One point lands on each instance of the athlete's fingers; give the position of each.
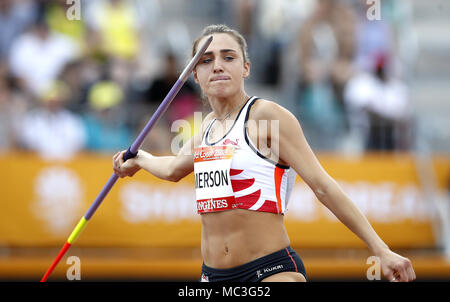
(114, 159)
(117, 155)
(402, 268)
(390, 275)
(122, 168)
(117, 170)
(392, 272)
(406, 274)
(399, 273)
(117, 163)
(411, 275)
(119, 159)
(122, 154)
(397, 268)
(402, 276)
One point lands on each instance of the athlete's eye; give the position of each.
(229, 58)
(206, 61)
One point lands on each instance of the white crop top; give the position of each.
(254, 182)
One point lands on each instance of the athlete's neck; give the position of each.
(224, 106)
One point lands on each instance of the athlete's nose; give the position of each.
(217, 66)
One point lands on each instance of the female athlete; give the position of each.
(242, 189)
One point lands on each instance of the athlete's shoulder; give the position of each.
(264, 109)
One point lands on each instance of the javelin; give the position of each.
(131, 152)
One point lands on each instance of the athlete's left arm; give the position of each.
(295, 151)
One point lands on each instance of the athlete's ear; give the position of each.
(246, 69)
(194, 72)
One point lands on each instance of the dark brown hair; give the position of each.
(223, 29)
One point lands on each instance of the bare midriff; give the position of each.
(234, 237)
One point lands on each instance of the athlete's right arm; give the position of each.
(171, 168)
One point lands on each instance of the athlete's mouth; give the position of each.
(220, 78)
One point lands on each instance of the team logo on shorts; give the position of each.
(258, 273)
(268, 270)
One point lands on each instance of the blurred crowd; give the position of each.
(90, 83)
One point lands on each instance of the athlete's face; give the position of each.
(221, 70)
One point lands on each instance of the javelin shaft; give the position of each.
(131, 152)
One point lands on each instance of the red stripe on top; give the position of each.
(269, 206)
(241, 184)
(278, 175)
(247, 201)
(234, 172)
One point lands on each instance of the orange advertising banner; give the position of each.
(42, 201)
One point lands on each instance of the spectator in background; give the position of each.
(327, 44)
(115, 27)
(74, 75)
(118, 25)
(50, 129)
(378, 108)
(39, 55)
(372, 38)
(244, 15)
(326, 62)
(394, 33)
(56, 15)
(105, 122)
(186, 102)
(15, 17)
(275, 24)
(126, 33)
(13, 106)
